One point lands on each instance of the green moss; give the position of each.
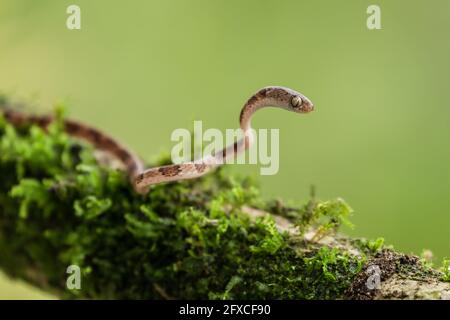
(59, 207)
(446, 270)
(375, 245)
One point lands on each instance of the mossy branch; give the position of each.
(212, 237)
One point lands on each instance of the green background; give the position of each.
(379, 137)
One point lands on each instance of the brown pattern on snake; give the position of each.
(170, 171)
(279, 97)
(97, 138)
(200, 167)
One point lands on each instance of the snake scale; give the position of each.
(141, 178)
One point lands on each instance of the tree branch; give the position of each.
(212, 237)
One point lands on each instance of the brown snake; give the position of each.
(141, 179)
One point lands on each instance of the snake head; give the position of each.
(301, 104)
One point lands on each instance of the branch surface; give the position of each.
(213, 237)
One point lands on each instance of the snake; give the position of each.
(142, 179)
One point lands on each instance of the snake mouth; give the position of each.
(307, 106)
(301, 104)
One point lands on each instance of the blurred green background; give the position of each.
(379, 137)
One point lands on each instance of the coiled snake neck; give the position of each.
(141, 180)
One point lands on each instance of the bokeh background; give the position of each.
(379, 137)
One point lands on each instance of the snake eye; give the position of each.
(296, 101)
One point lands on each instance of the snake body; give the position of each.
(279, 97)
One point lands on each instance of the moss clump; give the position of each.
(59, 207)
(446, 270)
